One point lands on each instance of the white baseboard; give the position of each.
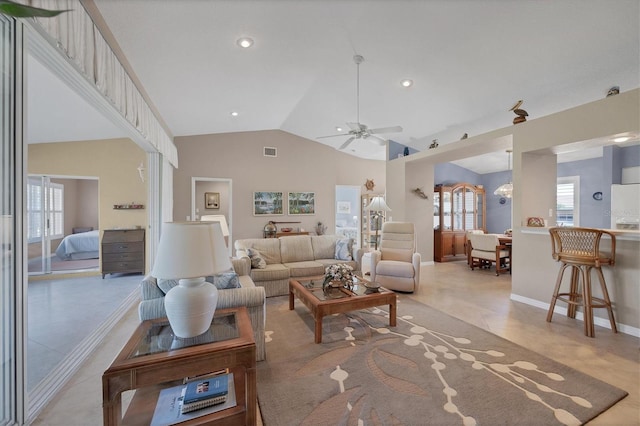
(602, 322)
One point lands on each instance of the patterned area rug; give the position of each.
(432, 369)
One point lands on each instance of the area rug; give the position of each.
(431, 369)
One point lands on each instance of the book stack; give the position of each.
(204, 392)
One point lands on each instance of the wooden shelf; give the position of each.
(128, 207)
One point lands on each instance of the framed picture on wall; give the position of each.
(212, 200)
(267, 203)
(301, 203)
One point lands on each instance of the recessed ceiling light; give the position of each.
(234, 113)
(245, 42)
(406, 83)
(339, 128)
(621, 139)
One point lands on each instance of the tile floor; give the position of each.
(478, 297)
(63, 311)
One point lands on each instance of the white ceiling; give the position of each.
(470, 61)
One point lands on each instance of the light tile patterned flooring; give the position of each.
(63, 311)
(477, 297)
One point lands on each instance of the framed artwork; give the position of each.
(267, 203)
(301, 203)
(344, 207)
(211, 200)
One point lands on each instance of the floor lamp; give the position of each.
(377, 205)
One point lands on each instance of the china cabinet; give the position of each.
(457, 209)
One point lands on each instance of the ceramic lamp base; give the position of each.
(190, 307)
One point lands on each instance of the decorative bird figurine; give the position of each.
(466, 135)
(434, 144)
(520, 113)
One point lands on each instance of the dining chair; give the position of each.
(486, 250)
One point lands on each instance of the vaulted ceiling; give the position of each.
(469, 60)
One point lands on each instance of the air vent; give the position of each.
(270, 151)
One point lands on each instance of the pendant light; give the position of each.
(506, 189)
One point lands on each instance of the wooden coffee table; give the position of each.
(340, 300)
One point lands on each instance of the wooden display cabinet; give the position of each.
(456, 209)
(369, 224)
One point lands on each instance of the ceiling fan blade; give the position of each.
(333, 136)
(346, 144)
(356, 126)
(394, 129)
(380, 141)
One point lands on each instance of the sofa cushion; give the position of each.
(328, 262)
(257, 260)
(395, 269)
(269, 248)
(343, 249)
(296, 248)
(166, 285)
(324, 246)
(305, 269)
(225, 280)
(271, 273)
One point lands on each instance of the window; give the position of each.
(38, 205)
(568, 201)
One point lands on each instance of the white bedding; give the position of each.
(85, 245)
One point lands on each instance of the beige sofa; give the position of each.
(249, 295)
(296, 256)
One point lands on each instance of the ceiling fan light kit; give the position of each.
(357, 129)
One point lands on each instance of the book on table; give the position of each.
(204, 392)
(170, 401)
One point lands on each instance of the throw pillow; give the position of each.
(257, 261)
(224, 280)
(166, 285)
(343, 249)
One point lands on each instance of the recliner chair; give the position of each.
(396, 265)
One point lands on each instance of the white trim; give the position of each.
(602, 322)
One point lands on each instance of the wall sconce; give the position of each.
(141, 170)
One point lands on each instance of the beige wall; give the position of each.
(114, 162)
(535, 146)
(301, 165)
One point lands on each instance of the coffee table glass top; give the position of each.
(160, 337)
(359, 289)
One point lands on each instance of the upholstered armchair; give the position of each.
(396, 265)
(486, 249)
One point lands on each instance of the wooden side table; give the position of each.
(153, 359)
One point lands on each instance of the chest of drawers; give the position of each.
(123, 251)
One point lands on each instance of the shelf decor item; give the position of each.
(188, 252)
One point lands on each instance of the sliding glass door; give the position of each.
(45, 221)
(11, 294)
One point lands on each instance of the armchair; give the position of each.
(486, 249)
(396, 265)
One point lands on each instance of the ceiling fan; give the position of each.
(359, 130)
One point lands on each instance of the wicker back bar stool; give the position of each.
(579, 249)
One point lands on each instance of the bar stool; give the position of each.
(579, 249)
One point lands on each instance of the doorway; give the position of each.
(213, 196)
(348, 214)
(62, 224)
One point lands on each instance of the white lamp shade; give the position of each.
(217, 218)
(377, 204)
(504, 190)
(191, 250)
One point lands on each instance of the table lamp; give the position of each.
(189, 252)
(223, 224)
(377, 205)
